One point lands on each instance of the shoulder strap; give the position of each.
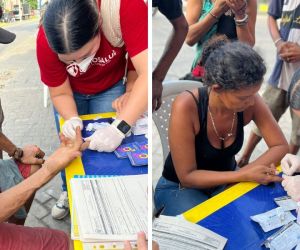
(111, 27)
(194, 97)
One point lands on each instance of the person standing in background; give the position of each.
(287, 42)
(172, 10)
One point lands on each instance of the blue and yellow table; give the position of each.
(95, 163)
(228, 214)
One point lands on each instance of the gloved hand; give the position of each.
(105, 139)
(290, 164)
(291, 185)
(69, 127)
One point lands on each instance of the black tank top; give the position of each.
(207, 156)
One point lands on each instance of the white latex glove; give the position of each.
(69, 127)
(291, 185)
(105, 139)
(290, 164)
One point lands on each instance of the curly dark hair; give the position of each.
(294, 91)
(234, 65)
(212, 44)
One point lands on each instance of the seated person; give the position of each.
(24, 161)
(206, 131)
(291, 163)
(13, 236)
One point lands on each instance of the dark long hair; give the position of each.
(70, 24)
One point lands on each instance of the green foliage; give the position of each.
(32, 3)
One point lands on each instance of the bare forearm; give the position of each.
(173, 46)
(14, 198)
(198, 30)
(244, 35)
(6, 145)
(65, 105)
(137, 103)
(131, 78)
(273, 28)
(272, 156)
(208, 179)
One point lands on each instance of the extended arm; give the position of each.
(137, 102)
(271, 133)
(12, 199)
(63, 100)
(246, 33)
(173, 46)
(199, 28)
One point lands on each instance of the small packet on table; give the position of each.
(274, 218)
(286, 203)
(122, 150)
(285, 239)
(138, 157)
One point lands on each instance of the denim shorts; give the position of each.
(176, 199)
(98, 103)
(10, 176)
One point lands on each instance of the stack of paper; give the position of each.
(109, 210)
(173, 233)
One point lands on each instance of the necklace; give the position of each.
(222, 139)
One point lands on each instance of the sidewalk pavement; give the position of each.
(26, 120)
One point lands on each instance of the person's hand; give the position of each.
(105, 139)
(281, 47)
(69, 150)
(69, 127)
(243, 161)
(155, 246)
(220, 7)
(238, 7)
(291, 185)
(157, 89)
(32, 155)
(120, 102)
(290, 164)
(141, 242)
(292, 53)
(261, 174)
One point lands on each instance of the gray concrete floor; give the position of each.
(26, 120)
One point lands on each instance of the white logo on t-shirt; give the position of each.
(102, 61)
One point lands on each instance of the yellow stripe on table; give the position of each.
(76, 168)
(217, 202)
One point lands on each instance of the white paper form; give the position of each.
(110, 208)
(272, 219)
(173, 233)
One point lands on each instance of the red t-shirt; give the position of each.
(108, 65)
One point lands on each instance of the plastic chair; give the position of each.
(160, 124)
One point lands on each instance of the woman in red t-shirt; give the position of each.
(84, 71)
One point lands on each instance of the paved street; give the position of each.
(26, 120)
(182, 64)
